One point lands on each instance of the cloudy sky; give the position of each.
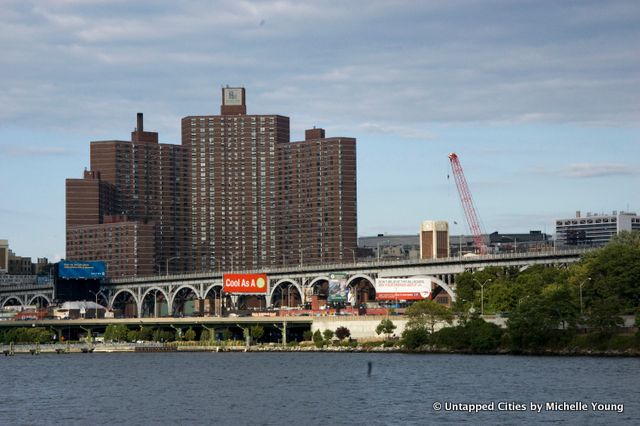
(540, 99)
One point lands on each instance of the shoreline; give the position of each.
(60, 349)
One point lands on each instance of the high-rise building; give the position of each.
(258, 200)
(237, 194)
(317, 200)
(594, 229)
(131, 209)
(434, 239)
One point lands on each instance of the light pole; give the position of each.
(581, 284)
(482, 294)
(388, 245)
(353, 252)
(169, 260)
(289, 296)
(96, 307)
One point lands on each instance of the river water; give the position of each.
(315, 389)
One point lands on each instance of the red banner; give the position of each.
(245, 283)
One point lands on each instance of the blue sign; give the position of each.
(81, 270)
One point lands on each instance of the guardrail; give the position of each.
(359, 265)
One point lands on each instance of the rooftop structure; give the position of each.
(594, 229)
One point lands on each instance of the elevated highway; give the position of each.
(148, 296)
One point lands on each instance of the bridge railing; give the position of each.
(358, 265)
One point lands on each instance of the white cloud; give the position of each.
(589, 170)
(33, 151)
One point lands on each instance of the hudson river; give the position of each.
(317, 389)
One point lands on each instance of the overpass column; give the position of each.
(212, 333)
(89, 331)
(283, 330)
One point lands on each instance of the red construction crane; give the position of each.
(467, 203)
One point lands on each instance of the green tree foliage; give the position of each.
(474, 335)
(132, 335)
(615, 272)
(116, 333)
(328, 334)
(145, 333)
(386, 327)
(27, 335)
(190, 335)
(603, 316)
(205, 336)
(257, 331)
(307, 335)
(160, 335)
(539, 321)
(317, 339)
(226, 334)
(414, 338)
(342, 333)
(425, 314)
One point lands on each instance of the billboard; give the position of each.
(403, 288)
(80, 270)
(245, 283)
(338, 291)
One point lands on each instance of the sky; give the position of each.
(539, 99)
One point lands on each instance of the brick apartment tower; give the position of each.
(235, 195)
(131, 209)
(259, 201)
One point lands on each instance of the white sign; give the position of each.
(232, 96)
(403, 288)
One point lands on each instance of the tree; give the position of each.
(226, 334)
(327, 334)
(413, 338)
(317, 339)
(386, 326)
(426, 314)
(342, 333)
(541, 321)
(307, 335)
(604, 315)
(116, 333)
(256, 332)
(190, 335)
(615, 272)
(132, 335)
(204, 335)
(145, 333)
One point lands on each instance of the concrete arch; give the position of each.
(441, 283)
(211, 287)
(175, 292)
(282, 281)
(125, 290)
(17, 298)
(353, 294)
(150, 289)
(315, 280)
(359, 276)
(147, 292)
(39, 295)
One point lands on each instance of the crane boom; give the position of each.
(467, 203)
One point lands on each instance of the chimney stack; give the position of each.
(140, 126)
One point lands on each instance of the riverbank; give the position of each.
(60, 349)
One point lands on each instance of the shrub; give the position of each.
(342, 333)
(327, 334)
(190, 335)
(413, 338)
(307, 335)
(317, 339)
